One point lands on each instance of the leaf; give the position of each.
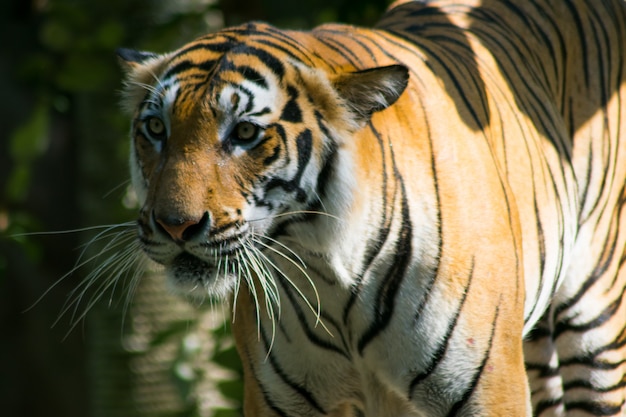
(223, 412)
(232, 389)
(229, 358)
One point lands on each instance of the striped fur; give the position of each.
(393, 211)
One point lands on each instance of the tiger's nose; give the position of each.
(182, 229)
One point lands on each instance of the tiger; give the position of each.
(422, 218)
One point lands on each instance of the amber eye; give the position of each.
(246, 131)
(156, 128)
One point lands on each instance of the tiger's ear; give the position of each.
(142, 69)
(371, 90)
(130, 58)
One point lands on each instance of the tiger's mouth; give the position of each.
(189, 267)
(204, 265)
(193, 277)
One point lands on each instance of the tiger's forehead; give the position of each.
(231, 84)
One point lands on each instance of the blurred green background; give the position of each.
(63, 152)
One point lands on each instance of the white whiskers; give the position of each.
(121, 254)
(267, 266)
(258, 263)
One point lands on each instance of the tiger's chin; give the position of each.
(192, 277)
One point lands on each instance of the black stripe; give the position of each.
(281, 48)
(580, 31)
(458, 406)
(327, 173)
(354, 37)
(304, 145)
(525, 92)
(301, 315)
(544, 370)
(187, 65)
(262, 112)
(439, 223)
(296, 45)
(266, 395)
(273, 157)
(478, 122)
(588, 283)
(374, 245)
(299, 388)
(544, 405)
(563, 326)
(340, 48)
(291, 112)
(587, 384)
(208, 44)
(595, 409)
(591, 362)
(272, 62)
(253, 76)
(541, 243)
(386, 294)
(441, 350)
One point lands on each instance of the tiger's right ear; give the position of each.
(131, 59)
(142, 71)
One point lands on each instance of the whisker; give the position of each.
(235, 292)
(118, 263)
(131, 288)
(150, 88)
(250, 281)
(262, 272)
(283, 246)
(270, 287)
(117, 187)
(107, 227)
(120, 254)
(317, 311)
(81, 262)
(293, 213)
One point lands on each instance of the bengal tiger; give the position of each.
(423, 218)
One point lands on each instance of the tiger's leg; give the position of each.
(590, 325)
(592, 352)
(542, 367)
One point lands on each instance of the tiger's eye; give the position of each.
(246, 131)
(156, 127)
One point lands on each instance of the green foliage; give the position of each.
(226, 356)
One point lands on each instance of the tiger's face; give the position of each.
(216, 162)
(228, 150)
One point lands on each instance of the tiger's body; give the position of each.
(395, 209)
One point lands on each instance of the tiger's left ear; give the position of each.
(371, 90)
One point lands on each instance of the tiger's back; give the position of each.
(392, 232)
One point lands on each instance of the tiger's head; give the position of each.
(235, 142)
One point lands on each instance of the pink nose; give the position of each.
(177, 232)
(181, 230)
